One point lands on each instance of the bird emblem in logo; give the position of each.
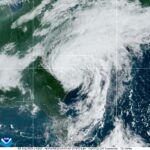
(6, 142)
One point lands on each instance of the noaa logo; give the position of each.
(6, 142)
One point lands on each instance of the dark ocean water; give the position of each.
(134, 107)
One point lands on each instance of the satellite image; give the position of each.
(75, 73)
